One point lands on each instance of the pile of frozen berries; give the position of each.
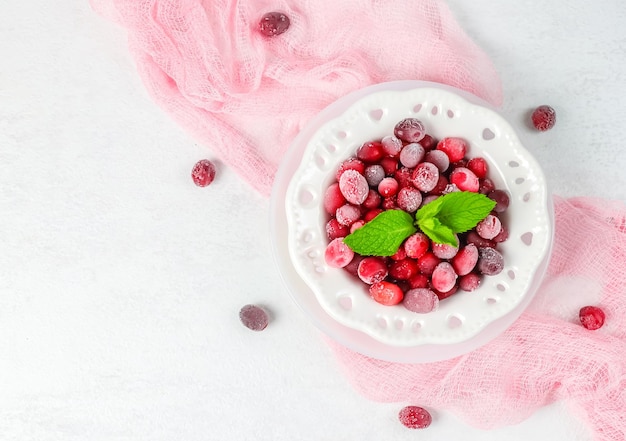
(406, 170)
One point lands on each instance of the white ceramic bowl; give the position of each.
(463, 321)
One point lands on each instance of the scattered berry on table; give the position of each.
(591, 317)
(415, 417)
(273, 23)
(254, 317)
(203, 173)
(543, 118)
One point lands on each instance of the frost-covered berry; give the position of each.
(591, 317)
(203, 173)
(409, 130)
(386, 293)
(543, 118)
(254, 317)
(337, 253)
(273, 23)
(415, 417)
(420, 300)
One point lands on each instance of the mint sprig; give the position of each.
(383, 235)
(440, 220)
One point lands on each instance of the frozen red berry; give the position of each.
(370, 152)
(350, 164)
(490, 261)
(338, 254)
(409, 199)
(333, 199)
(465, 260)
(444, 250)
(409, 130)
(443, 277)
(372, 270)
(334, 229)
(416, 245)
(489, 227)
(353, 186)
(254, 317)
(374, 174)
(420, 300)
(479, 167)
(465, 179)
(469, 282)
(439, 158)
(427, 263)
(203, 173)
(403, 269)
(415, 417)
(273, 23)
(501, 198)
(425, 176)
(591, 317)
(348, 214)
(412, 154)
(386, 293)
(388, 187)
(455, 148)
(391, 145)
(543, 118)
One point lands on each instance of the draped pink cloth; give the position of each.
(246, 96)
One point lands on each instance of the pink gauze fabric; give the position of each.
(245, 97)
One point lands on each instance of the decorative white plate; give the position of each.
(462, 322)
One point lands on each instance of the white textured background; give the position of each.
(120, 281)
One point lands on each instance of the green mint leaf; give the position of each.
(429, 210)
(452, 213)
(383, 235)
(461, 211)
(437, 232)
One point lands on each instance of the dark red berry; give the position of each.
(203, 173)
(273, 23)
(415, 417)
(591, 317)
(254, 317)
(543, 118)
(409, 130)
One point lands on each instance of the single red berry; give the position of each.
(273, 23)
(409, 130)
(455, 148)
(370, 152)
(543, 118)
(338, 254)
(254, 317)
(386, 293)
(479, 166)
(203, 173)
(403, 269)
(372, 270)
(333, 199)
(350, 164)
(591, 317)
(415, 417)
